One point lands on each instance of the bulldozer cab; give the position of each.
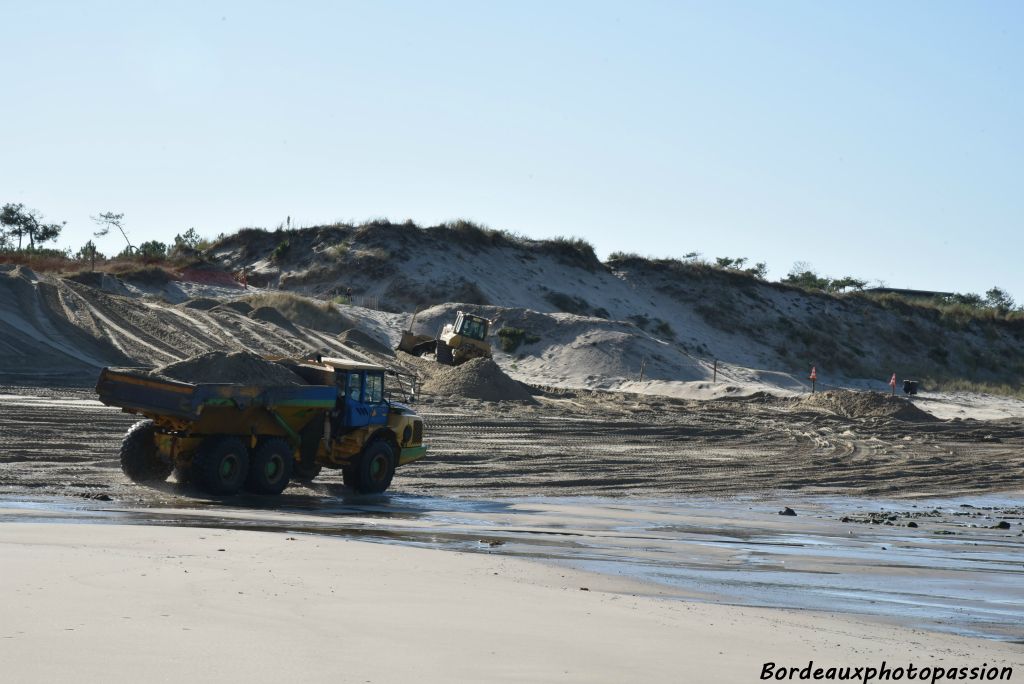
(473, 327)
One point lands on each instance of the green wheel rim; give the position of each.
(228, 466)
(273, 468)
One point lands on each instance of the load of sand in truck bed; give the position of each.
(236, 368)
(865, 405)
(476, 379)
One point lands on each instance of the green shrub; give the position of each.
(337, 251)
(280, 251)
(153, 250)
(512, 338)
(625, 256)
(663, 328)
(640, 321)
(568, 303)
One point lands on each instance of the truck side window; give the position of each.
(355, 386)
(374, 388)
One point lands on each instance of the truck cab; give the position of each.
(364, 414)
(361, 396)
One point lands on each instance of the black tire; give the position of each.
(221, 465)
(139, 458)
(306, 470)
(270, 468)
(374, 469)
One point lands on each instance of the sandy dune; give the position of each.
(58, 330)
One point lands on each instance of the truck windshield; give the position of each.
(355, 386)
(374, 388)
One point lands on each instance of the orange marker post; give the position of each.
(814, 378)
(892, 383)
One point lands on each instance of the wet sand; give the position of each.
(61, 441)
(957, 571)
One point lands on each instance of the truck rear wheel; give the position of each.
(270, 467)
(139, 458)
(220, 465)
(373, 471)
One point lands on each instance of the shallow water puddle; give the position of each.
(957, 571)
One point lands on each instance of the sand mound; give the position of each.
(236, 306)
(148, 275)
(476, 379)
(238, 368)
(90, 278)
(865, 405)
(309, 313)
(271, 315)
(201, 303)
(359, 339)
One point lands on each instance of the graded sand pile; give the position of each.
(201, 303)
(477, 379)
(359, 339)
(237, 306)
(316, 314)
(865, 405)
(271, 315)
(238, 368)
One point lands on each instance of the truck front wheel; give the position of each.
(270, 468)
(373, 470)
(139, 458)
(221, 465)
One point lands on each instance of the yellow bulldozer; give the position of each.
(456, 343)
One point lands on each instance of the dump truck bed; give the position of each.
(136, 392)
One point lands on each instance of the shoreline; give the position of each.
(949, 566)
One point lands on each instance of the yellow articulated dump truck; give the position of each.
(229, 437)
(457, 343)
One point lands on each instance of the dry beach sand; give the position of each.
(114, 603)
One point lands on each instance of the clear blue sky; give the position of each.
(884, 140)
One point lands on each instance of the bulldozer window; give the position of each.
(473, 328)
(374, 388)
(355, 386)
